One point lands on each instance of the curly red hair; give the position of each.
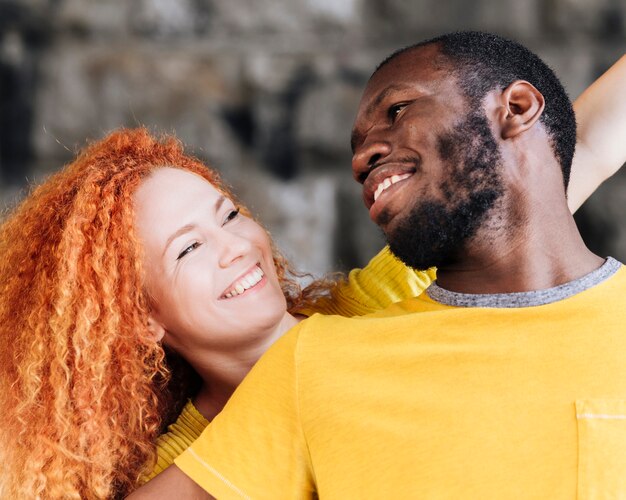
(81, 381)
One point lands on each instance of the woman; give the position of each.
(132, 246)
(89, 287)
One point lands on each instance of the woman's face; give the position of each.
(209, 270)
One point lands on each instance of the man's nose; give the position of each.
(366, 156)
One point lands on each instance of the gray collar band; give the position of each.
(525, 299)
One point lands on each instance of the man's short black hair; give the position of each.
(483, 61)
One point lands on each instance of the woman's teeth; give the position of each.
(248, 281)
(389, 181)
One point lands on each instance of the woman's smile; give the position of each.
(252, 280)
(210, 270)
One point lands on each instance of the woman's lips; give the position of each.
(247, 281)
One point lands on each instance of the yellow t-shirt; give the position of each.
(179, 436)
(425, 400)
(383, 281)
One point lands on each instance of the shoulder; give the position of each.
(615, 284)
(320, 330)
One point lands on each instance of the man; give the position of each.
(511, 381)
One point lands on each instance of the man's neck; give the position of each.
(543, 251)
(526, 299)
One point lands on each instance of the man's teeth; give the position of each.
(248, 281)
(389, 181)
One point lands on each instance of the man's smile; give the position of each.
(384, 181)
(388, 182)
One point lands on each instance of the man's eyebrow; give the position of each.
(383, 95)
(356, 137)
(189, 227)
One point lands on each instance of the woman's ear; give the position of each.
(523, 106)
(156, 330)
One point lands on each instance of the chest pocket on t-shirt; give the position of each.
(601, 449)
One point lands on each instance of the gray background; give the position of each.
(266, 91)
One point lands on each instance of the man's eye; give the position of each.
(231, 215)
(395, 109)
(187, 250)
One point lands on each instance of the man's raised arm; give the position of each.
(601, 149)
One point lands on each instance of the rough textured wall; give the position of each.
(266, 91)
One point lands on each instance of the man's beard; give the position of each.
(435, 231)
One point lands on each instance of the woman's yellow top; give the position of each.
(383, 281)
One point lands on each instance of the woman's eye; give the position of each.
(187, 250)
(395, 109)
(231, 215)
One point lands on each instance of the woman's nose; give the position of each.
(232, 248)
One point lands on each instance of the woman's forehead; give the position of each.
(171, 183)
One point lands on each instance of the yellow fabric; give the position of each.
(383, 281)
(426, 401)
(178, 438)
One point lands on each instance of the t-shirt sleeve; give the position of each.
(179, 436)
(255, 447)
(382, 282)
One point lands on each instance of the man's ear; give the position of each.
(523, 105)
(156, 329)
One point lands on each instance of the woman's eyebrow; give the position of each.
(189, 227)
(179, 232)
(220, 201)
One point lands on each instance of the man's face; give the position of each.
(426, 157)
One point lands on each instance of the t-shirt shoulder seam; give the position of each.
(217, 474)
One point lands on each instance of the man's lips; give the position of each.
(390, 172)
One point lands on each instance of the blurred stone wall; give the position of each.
(264, 90)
